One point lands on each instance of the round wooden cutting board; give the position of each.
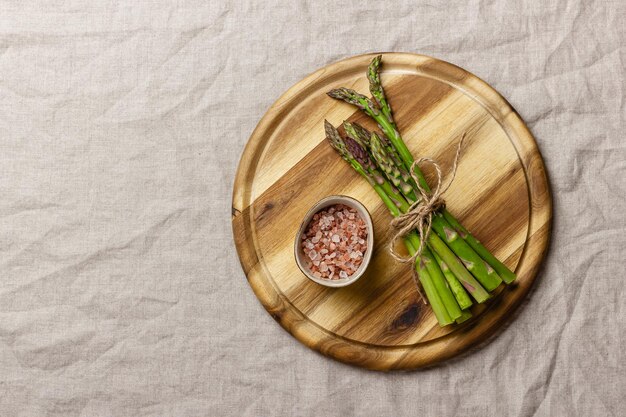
(500, 193)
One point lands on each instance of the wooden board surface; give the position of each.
(500, 193)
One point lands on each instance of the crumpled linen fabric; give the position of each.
(121, 127)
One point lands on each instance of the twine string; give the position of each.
(420, 214)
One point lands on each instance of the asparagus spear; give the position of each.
(393, 173)
(376, 88)
(357, 132)
(487, 276)
(457, 289)
(504, 272)
(441, 313)
(441, 285)
(458, 269)
(397, 168)
(464, 317)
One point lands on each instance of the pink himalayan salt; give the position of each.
(335, 242)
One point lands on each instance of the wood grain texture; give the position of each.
(500, 193)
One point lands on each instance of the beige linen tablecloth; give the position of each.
(121, 126)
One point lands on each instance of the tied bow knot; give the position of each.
(420, 214)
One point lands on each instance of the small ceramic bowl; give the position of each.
(322, 204)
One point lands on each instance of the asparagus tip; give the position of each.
(329, 128)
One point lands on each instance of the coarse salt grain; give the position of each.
(335, 238)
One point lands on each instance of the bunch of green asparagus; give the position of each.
(453, 263)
